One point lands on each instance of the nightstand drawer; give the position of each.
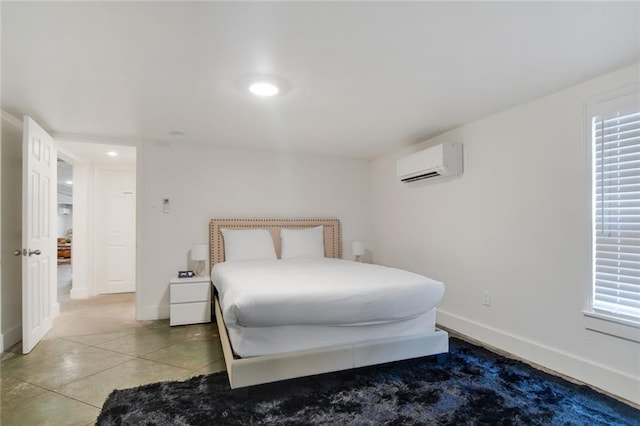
(189, 292)
(190, 313)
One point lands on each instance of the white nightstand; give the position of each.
(190, 300)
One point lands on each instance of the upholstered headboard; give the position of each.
(332, 236)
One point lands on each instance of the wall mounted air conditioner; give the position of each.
(444, 160)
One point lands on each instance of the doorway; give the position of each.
(97, 220)
(64, 231)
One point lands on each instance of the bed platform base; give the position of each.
(251, 371)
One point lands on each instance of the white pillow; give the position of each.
(302, 243)
(248, 244)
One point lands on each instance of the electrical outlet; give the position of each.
(486, 297)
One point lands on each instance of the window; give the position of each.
(615, 139)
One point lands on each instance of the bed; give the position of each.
(292, 317)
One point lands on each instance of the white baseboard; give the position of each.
(149, 313)
(79, 293)
(10, 337)
(599, 376)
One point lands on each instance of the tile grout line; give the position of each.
(91, 375)
(76, 399)
(68, 339)
(80, 378)
(3, 414)
(136, 355)
(179, 366)
(139, 357)
(55, 390)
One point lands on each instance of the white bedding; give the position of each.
(324, 292)
(257, 341)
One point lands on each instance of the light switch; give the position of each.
(166, 206)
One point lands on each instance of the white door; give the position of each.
(38, 241)
(117, 214)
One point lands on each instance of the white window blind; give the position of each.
(616, 212)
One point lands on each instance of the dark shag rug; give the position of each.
(472, 386)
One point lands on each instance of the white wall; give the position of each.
(82, 285)
(517, 223)
(11, 273)
(204, 182)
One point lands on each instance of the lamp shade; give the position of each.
(199, 251)
(357, 248)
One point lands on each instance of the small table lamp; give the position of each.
(357, 248)
(198, 256)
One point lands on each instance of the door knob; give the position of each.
(36, 252)
(17, 252)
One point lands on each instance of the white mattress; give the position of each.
(279, 306)
(333, 292)
(257, 341)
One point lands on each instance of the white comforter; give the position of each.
(330, 292)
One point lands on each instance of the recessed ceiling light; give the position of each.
(263, 85)
(69, 182)
(263, 88)
(112, 154)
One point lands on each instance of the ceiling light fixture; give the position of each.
(112, 154)
(263, 88)
(263, 85)
(69, 182)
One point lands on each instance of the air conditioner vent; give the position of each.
(444, 160)
(420, 177)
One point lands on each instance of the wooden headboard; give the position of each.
(332, 236)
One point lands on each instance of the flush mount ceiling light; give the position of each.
(69, 182)
(264, 88)
(112, 154)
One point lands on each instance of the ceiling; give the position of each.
(363, 78)
(96, 154)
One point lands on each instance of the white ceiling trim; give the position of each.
(10, 119)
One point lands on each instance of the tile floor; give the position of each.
(97, 346)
